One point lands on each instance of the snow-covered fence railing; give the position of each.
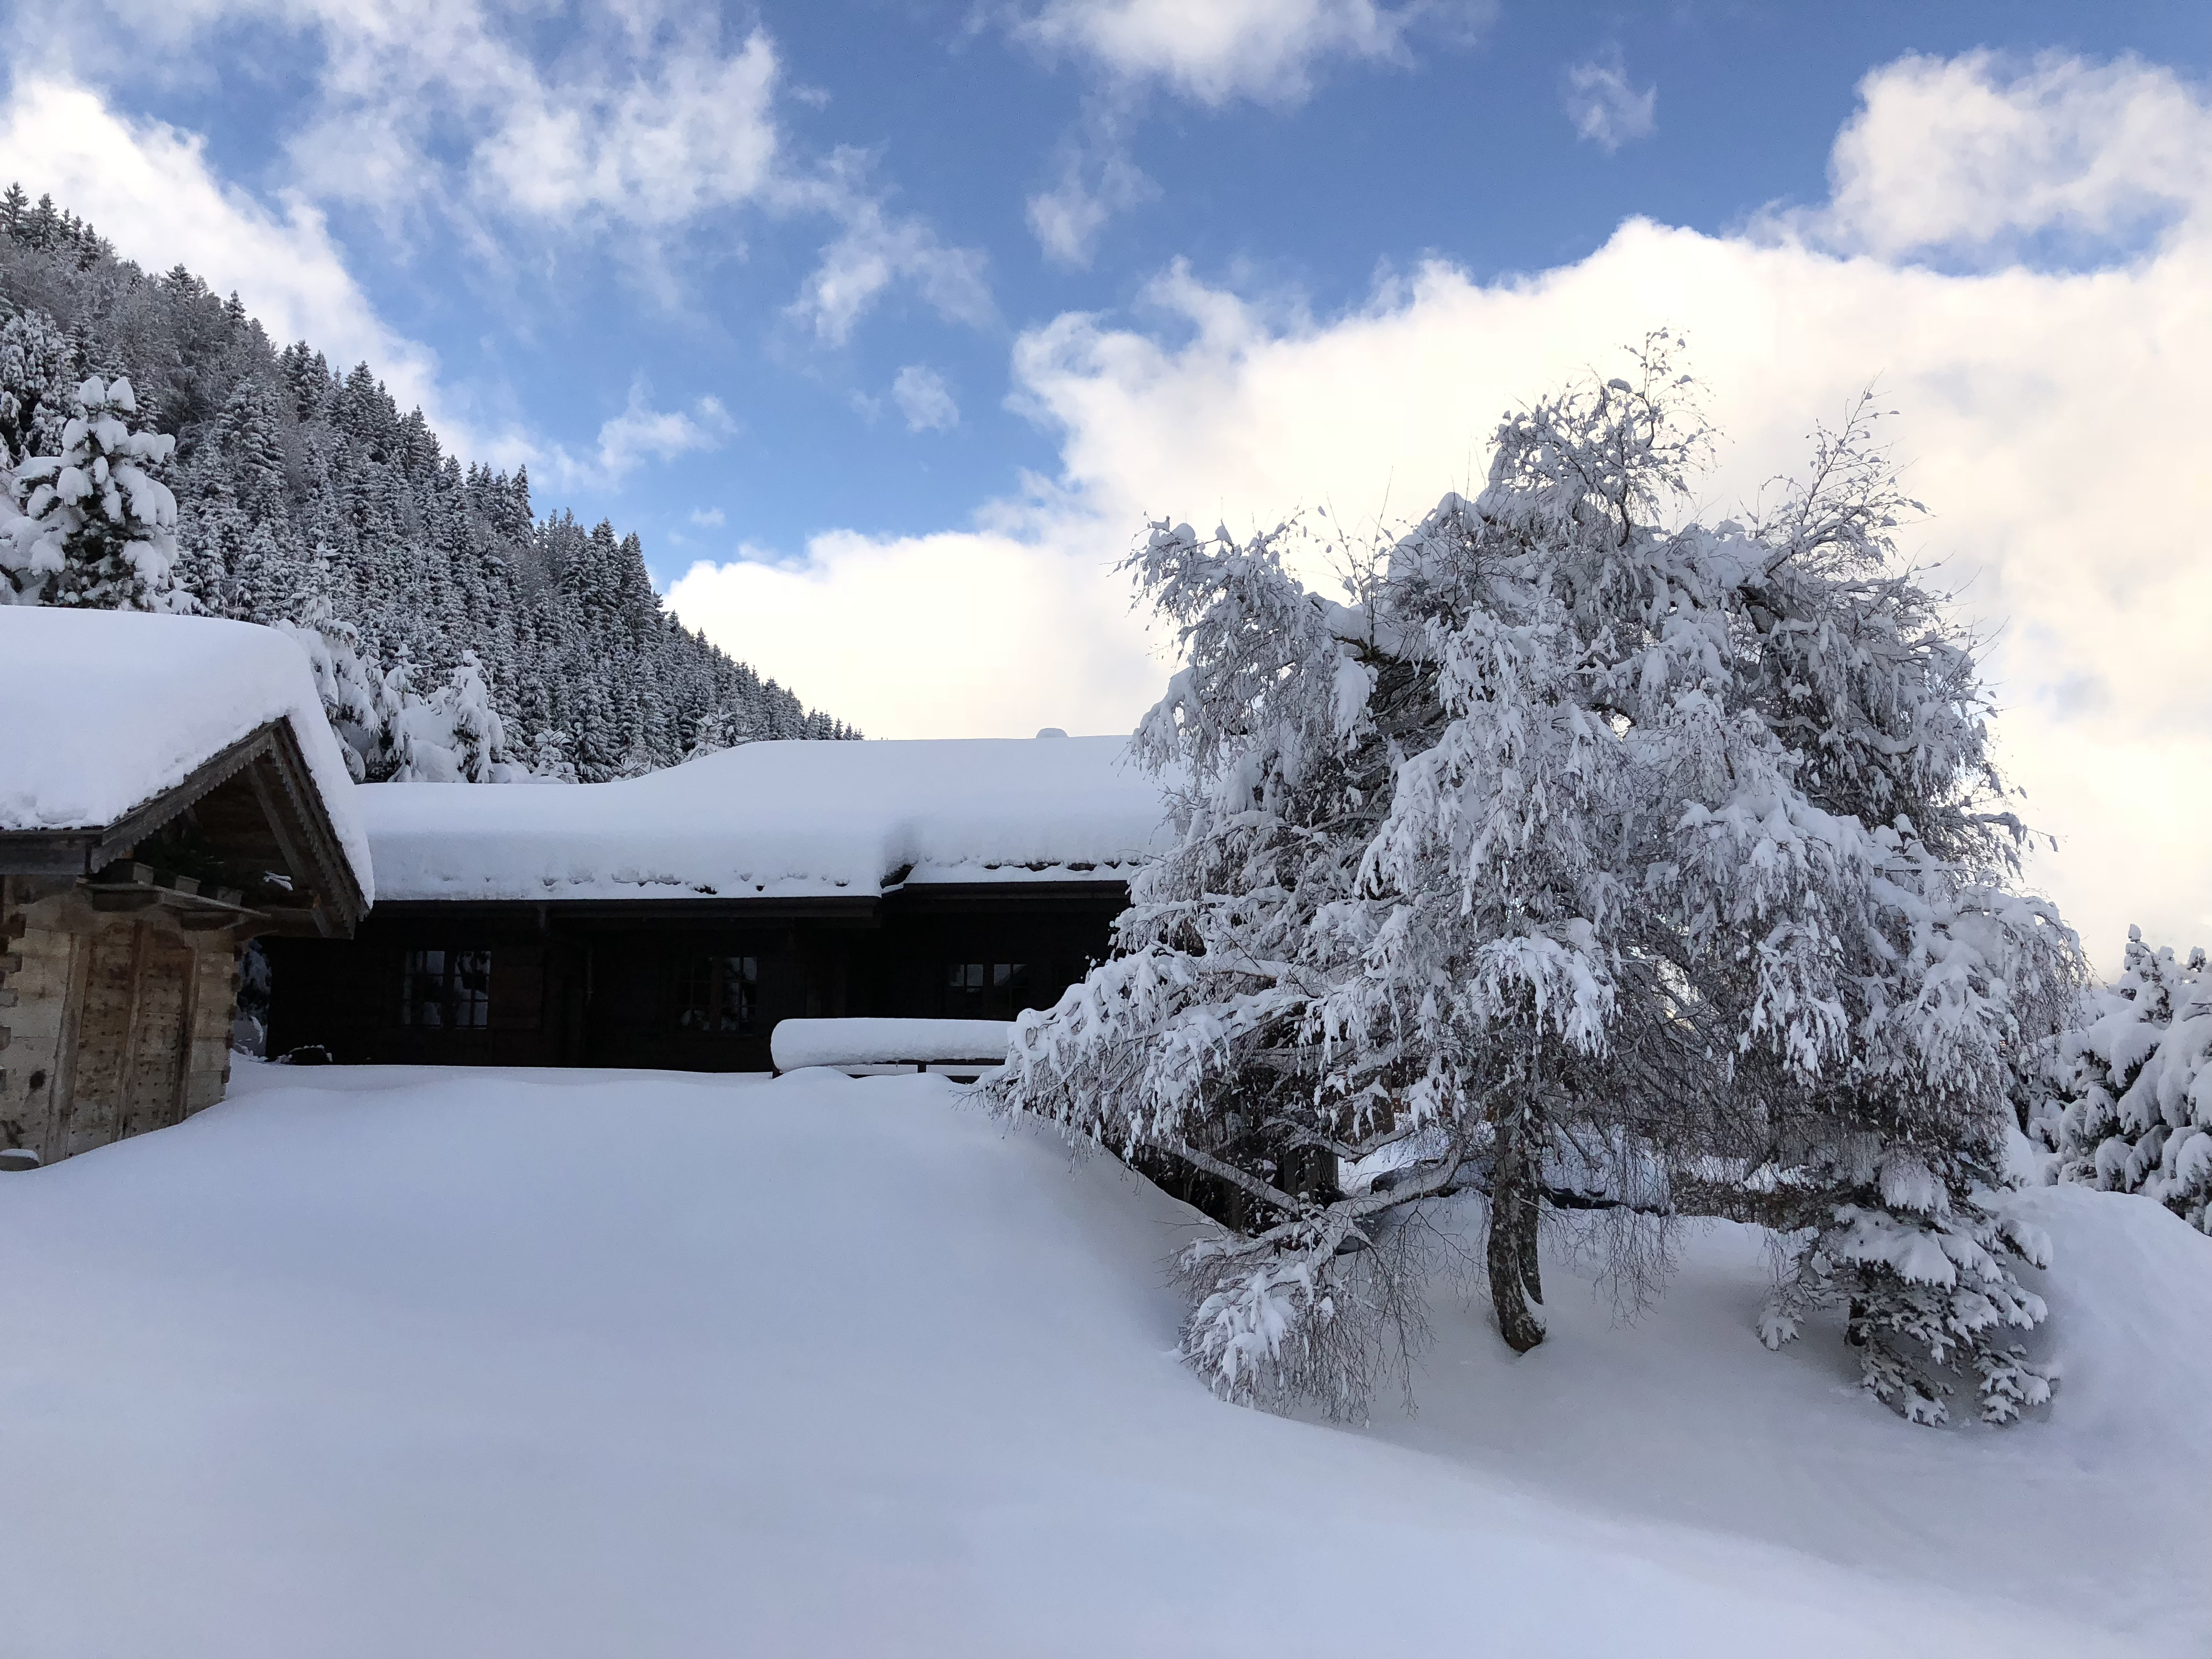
(860, 1047)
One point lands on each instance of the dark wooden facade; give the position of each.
(686, 985)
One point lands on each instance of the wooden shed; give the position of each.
(120, 932)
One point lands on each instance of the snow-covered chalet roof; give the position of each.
(778, 820)
(101, 711)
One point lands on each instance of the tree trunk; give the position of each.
(1513, 1278)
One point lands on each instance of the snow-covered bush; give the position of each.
(1585, 849)
(93, 526)
(2125, 1096)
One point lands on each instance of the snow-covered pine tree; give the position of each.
(551, 756)
(454, 735)
(478, 735)
(351, 692)
(2125, 1102)
(34, 386)
(1588, 848)
(96, 523)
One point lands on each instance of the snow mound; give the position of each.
(375, 1361)
(100, 710)
(797, 1042)
(780, 820)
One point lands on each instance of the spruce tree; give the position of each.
(2122, 1095)
(97, 522)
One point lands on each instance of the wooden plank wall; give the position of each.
(215, 1005)
(118, 1023)
(38, 966)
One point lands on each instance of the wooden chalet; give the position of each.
(670, 920)
(168, 791)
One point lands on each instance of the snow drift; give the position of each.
(797, 1042)
(407, 1361)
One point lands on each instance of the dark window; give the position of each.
(986, 990)
(718, 994)
(446, 988)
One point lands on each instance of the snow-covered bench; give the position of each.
(963, 1049)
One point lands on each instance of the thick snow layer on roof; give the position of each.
(778, 820)
(100, 710)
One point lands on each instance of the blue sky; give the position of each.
(887, 324)
(1454, 136)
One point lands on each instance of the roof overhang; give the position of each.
(268, 763)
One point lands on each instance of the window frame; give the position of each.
(451, 971)
(716, 1017)
(984, 990)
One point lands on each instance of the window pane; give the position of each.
(740, 978)
(964, 989)
(422, 988)
(471, 998)
(695, 994)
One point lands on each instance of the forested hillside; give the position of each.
(448, 618)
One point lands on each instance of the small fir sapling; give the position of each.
(1589, 855)
(549, 756)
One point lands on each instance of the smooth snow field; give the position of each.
(390, 1361)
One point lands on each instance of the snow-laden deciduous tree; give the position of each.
(2124, 1092)
(1587, 855)
(94, 526)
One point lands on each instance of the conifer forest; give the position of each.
(449, 616)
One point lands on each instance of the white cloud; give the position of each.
(968, 633)
(149, 190)
(708, 518)
(1215, 51)
(651, 118)
(876, 250)
(2054, 420)
(1954, 153)
(1067, 218)
(925, 399)
(641, 433)
(1604, 107)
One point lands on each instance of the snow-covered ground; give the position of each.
(420, 1362)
